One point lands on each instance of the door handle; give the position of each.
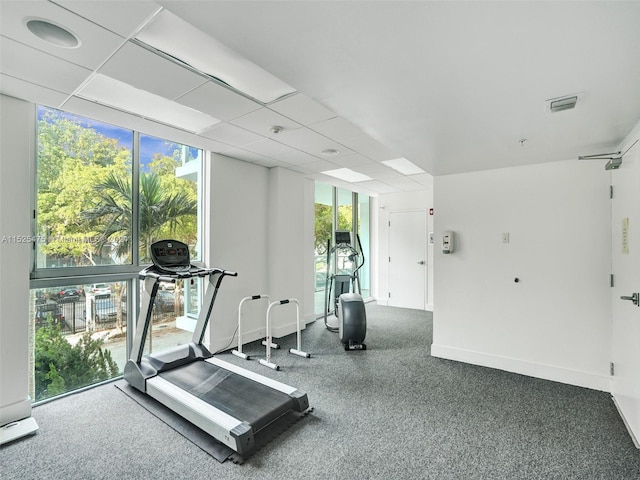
(421, 262)
(635, 298)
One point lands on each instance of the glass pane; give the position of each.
(169, 194)
(345, 210)
(323, 233)
(83, 191)
(169, 327)
(344, 263)
(193, 296)
(363, 232)
(79, 336)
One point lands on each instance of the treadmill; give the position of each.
(228, 402)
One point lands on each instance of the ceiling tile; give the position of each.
(300, 169)
(40, 68)
(321, 166)
(404, 184)
(311, 142)
(270, 163)
(176, 135)
(218, 101)
(296, 157)
(247, 156)
(123, 18)
(337, 128)
(284, 153)
(148, 71)
(379, 187)
(378, 170)
(353, 160)
(97, 43)
(261, 121)
(96, 111)
(302, 109)
(14, 87)
(232, 135)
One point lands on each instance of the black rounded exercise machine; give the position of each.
(342, 294)
(226, 401)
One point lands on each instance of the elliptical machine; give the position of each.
(346, 304)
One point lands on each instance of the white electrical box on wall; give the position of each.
(447, 241)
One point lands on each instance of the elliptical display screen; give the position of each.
(343, 237)
(171, 256)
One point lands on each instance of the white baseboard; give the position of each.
(258, 334)
(546, 372)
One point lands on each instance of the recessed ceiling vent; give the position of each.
(561, 104)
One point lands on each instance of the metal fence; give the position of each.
(93, 314)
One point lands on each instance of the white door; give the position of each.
(625, 219)
(407, 259)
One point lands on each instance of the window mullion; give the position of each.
(135, 199)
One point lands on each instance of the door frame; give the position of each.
(626, 405)
(425, 238)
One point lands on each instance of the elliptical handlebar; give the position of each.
(354, 253)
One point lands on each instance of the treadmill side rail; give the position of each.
(234, 433)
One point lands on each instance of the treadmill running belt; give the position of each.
(240, 397)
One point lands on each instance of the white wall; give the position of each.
(399, 202)
(238, 218)
(16, 151)
(290, 240)
(257, 228)
(553, 324)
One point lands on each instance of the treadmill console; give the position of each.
(170, 256)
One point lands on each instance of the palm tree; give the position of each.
(161, 210)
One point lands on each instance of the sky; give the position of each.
(148, 145)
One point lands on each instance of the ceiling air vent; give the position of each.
(562, 103)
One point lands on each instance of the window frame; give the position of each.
(353, 228)
(48, 277)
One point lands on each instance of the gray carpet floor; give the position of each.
(392, 411)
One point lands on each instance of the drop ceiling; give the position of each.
(451, 86)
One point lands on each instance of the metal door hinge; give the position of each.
(612, 369)
(610, 191)
(611, 281)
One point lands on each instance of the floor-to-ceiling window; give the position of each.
(103, 194)
(323, 234)
(339, 209)
(363, 229)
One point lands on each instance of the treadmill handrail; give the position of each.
(152, 278)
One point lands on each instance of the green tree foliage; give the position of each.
(85, 195)
(324, 224)
(72, 160)
(323, 227)
(163, 211)
(61, 367)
